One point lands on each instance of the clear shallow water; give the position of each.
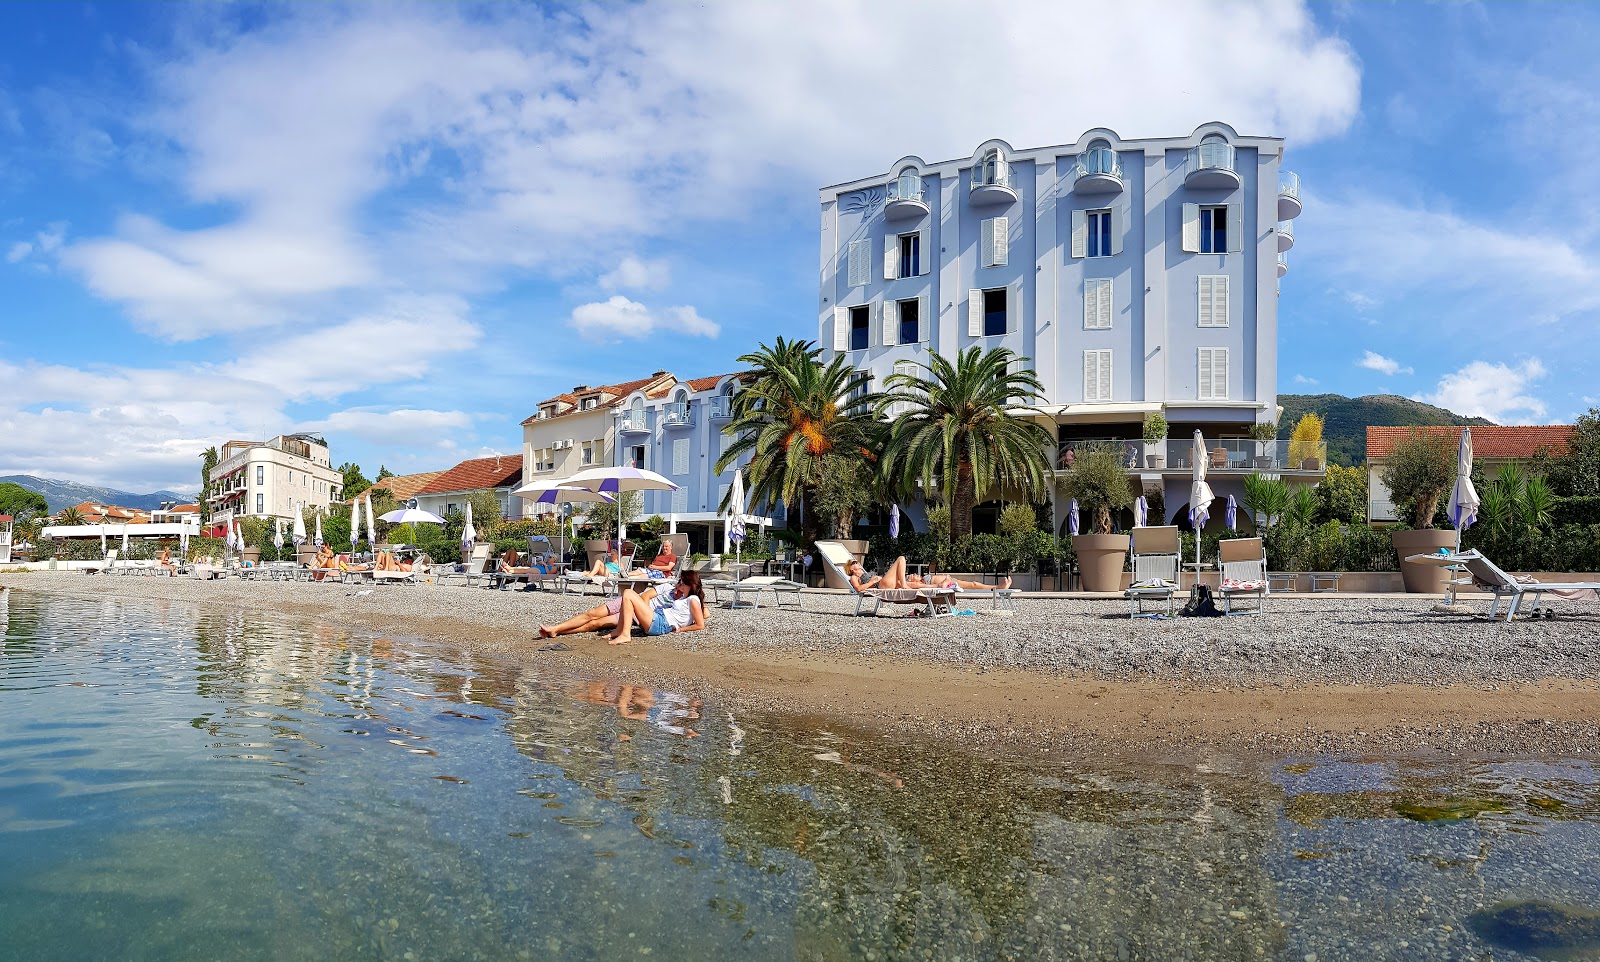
(178, 784)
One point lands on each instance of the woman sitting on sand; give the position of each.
(599, 618)
(896, 577)
(684, 609)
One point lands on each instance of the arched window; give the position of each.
(992, 168)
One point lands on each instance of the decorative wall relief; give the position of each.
(863, 201)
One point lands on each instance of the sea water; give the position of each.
(183, 783)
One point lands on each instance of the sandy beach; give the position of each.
(1313, 674)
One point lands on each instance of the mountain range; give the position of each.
(1346, 419)
(65, 494)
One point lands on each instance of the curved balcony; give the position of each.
(1211, 167)
(1283, 264)
(1285, 234)
(677, 415)
(632, 424)
(1098, 172)
(991, 184)
(1289, 206)
(904, 198)
(721, 408)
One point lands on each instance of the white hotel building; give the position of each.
(273, 478)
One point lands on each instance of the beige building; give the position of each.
(273, 478)
(1493, 446)
(577, 430)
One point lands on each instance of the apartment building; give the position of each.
(1133, 276)
(275, 478)
(447, 490)
(577, 430)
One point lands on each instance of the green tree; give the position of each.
(793, 414)
(22, 504)
(1266, 497)
(1576, 471)
(966, 429)
(845, 492)
(208, 464)
(384, 472)
(603, 516)
(1301, 510)
(1343, 494)
(1419, 472)
(486, 515)
(354, 481)
(1099, 483)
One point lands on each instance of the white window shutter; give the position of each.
(1235, 228)
(1204, 391)
(1091, 299)
(722, 496)
(680, 456)
(891, 321)
(891, 257)
(974, 313)
(1091, 374)
(1203, 302)
(1105, 375)
(680, 500)
(923, 254)
(857, 263)
(841, 329)
(1191, 228)
(986, 242)
(1219, 300)
(1002, 241)
(1219, 373)
(1080, 233)
(922, 319)
(1119, 226)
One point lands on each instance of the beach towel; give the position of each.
(1234, 584)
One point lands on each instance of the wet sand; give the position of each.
(1316, 676)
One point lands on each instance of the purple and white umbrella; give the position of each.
(1200, 495)
(1231, 516)
(617, 481)
(894, 521)
(1141, 512)
(1464, 498)
(1072, 516)
(555, 493)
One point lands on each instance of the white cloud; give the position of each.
(18, 251)
(1383, 365)
(1302, 379)
(1494, 391)
(633, 274)
(619, 317)
(46, 241)
(405, 428)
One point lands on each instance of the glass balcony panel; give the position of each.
(1247, 456)
(1211, 165)
(1283, 263)
(1129, 450)
(1285, 234)
(904, 197)
(677, 413)
(1098, 171)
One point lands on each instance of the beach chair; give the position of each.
(105, 566)
(752, 587)
(419, 567)
(1153, 557)
(1486, 575)
(1244, 573)
(935, 602)
(474, 569)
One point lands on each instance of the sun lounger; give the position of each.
(476, 562)
(1244, 573)
(1487, 576)
(419, 567)
(1153, 558)
(747, 592)
(936, 602)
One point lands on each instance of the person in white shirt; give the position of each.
(682, 609)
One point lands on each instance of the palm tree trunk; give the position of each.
(808, 519)
(962, 500)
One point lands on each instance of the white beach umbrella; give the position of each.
(411, 516)
(616, 481)
(1141, 512)
(1200, 495)
(736, 517)
(355, 524)
(277, 533)
(318, 542)
(1464, 497)
(372, 528)
(299, 534)
(469, 534)
(894, 521)
(1231, 515)
(1072, 517)
(102, 528)
(124, 541)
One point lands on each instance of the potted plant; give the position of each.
(1099, 483)
(1305, 444)
(1420, 470)
(1155, 441)
(1263, 434)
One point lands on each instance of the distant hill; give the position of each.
(65, 494)
(1348, 418)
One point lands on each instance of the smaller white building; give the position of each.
(275, 478)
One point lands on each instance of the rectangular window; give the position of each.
(1212, 310)
(261, 474)
(680, 456)
(1097, 304)
(860, 327)
(588, 452)
(1213, 374)
(1099, 233)
(636, 456)
(291, 477)
(1097, 375)
(910, 255)
(908, 322)
(261, 504)
(994, 312)
(1214, 229)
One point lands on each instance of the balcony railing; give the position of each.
(1244, 456)
(677, 414)
(1131, 450)
(1211, 165)
(1289, 205)
(904, 197)
(720, 407)
(1285, 234)
(632, 423)
(1098, 171)
(1283, 263)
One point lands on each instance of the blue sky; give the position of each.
(404, 225)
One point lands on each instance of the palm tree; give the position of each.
(796, 420)
(965, 427)
(70, 516)
(208, 463)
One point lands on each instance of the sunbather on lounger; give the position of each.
(682, 610)
(945, 581)
(324, 563)
(895, 577)
(665, 562)
(507, 564)
(388, 562)
(608, 567)
(164, 559)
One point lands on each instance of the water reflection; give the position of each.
(182, 785)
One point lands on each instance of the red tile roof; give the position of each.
(406, 486)
(477, 474)
(611, 394)
(699, 384)
(1488, 441)
(4, 518)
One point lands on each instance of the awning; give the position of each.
(1102, 413)
(115, 530)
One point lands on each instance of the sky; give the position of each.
(402, 226)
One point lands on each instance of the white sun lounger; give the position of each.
(747, 592)
(1153, 554)
(937, 602)
(1487, 576)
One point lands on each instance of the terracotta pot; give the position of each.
(1100, 558)
(252, 555)
(1423, 579)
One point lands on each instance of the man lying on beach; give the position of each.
(684, 609)
(896, 577)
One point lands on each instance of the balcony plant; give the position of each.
(1418, 473)
(1264, 434)
(1155, 438)
(1305, 444)
(1099, 483)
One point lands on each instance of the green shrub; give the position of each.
(982, 553)
(1017, 520)
(1579, 510)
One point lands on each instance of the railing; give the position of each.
(906, 187)
(1235, 455)
(1130, 450)
(1382, 510)
(1283, 263)
(1214, 156)
(677, 414)
(1288, 184)
(720, 407)
(996, 174)
(632, 422)
(1286, 228)
(1099, 160)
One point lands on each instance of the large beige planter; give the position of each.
(1423, 579)
(1100, 558)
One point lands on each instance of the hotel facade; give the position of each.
(274, 479)
(1133, 276)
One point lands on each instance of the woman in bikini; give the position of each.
(895, 577)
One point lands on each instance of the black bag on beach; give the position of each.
(1200, 604)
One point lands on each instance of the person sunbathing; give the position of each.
(684, 609)
(666, 562)
(507, 564)
(324, 563)
(165, 558)
(608, 567)
(896, 577)
(386, 561)
(599, 618)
